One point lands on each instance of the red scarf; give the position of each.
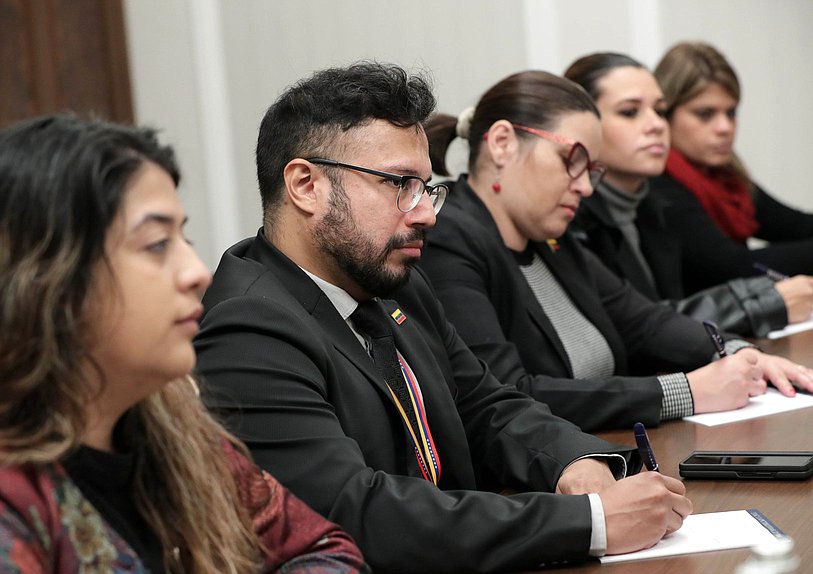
(725, 197)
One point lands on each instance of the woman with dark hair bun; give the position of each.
(108, 460)
(627, 225)
(539, 308)
(715, 206)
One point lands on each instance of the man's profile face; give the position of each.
(370, 243)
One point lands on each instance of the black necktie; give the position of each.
(370, 319)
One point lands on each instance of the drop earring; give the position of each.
(496, 187)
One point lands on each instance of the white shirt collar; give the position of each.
(341, 299)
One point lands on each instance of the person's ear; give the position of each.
(304, 184)
(502, 142)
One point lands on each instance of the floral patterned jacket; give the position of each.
(48, 526)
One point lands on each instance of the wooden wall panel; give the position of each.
(58, 55)
(16, 80)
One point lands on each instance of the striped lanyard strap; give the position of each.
(424, 445)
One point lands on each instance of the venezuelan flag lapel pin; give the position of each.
(553, 245)
(398, 316)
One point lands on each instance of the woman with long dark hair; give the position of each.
(108, 459)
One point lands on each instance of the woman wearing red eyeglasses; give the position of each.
(541, 311)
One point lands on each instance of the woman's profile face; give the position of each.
(703, 128)
(542, 198)
(146, 305)
(634, 129)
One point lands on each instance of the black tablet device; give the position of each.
(748, 465)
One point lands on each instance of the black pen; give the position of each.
(644, 448)
(770, 273)
(715, 337)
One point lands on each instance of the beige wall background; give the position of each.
(206, 70)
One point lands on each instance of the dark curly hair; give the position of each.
(308, 117)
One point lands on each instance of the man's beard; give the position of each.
(338, 235)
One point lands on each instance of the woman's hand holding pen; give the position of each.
(728, 383)
(797, 293)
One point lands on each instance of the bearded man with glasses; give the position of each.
(335, 364)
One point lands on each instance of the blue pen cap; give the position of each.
(644, 447)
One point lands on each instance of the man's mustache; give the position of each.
(402, 240)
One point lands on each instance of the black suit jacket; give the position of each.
(748, 306)
(710, 257)
(660, 248)
(301, 391)
(488, 299)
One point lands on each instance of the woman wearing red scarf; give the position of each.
(715, 207)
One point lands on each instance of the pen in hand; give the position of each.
(770, 273)
(715, 337)
(644, 447)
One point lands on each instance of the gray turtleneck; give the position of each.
(623, 208)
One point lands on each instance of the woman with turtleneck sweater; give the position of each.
(627, 226)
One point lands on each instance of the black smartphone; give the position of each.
(748, 465)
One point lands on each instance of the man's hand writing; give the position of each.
(585, 476)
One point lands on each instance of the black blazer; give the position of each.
(595, 227)
(300, 390)
(748, 306)
(488, 299)
(710, 257)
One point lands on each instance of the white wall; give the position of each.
(206, 70)
(770, 45)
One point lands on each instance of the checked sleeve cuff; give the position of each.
(677, 397)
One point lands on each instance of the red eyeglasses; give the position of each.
(578, 159)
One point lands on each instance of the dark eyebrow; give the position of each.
(400, 170)
(160, 218)
(639, 101)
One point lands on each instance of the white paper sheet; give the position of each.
(791, 329)
(710, 531)
(770, 403)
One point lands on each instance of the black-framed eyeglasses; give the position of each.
(410, 187)
(578, 159)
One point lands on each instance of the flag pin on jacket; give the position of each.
(398, 316)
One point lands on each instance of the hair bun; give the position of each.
(464, 122)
